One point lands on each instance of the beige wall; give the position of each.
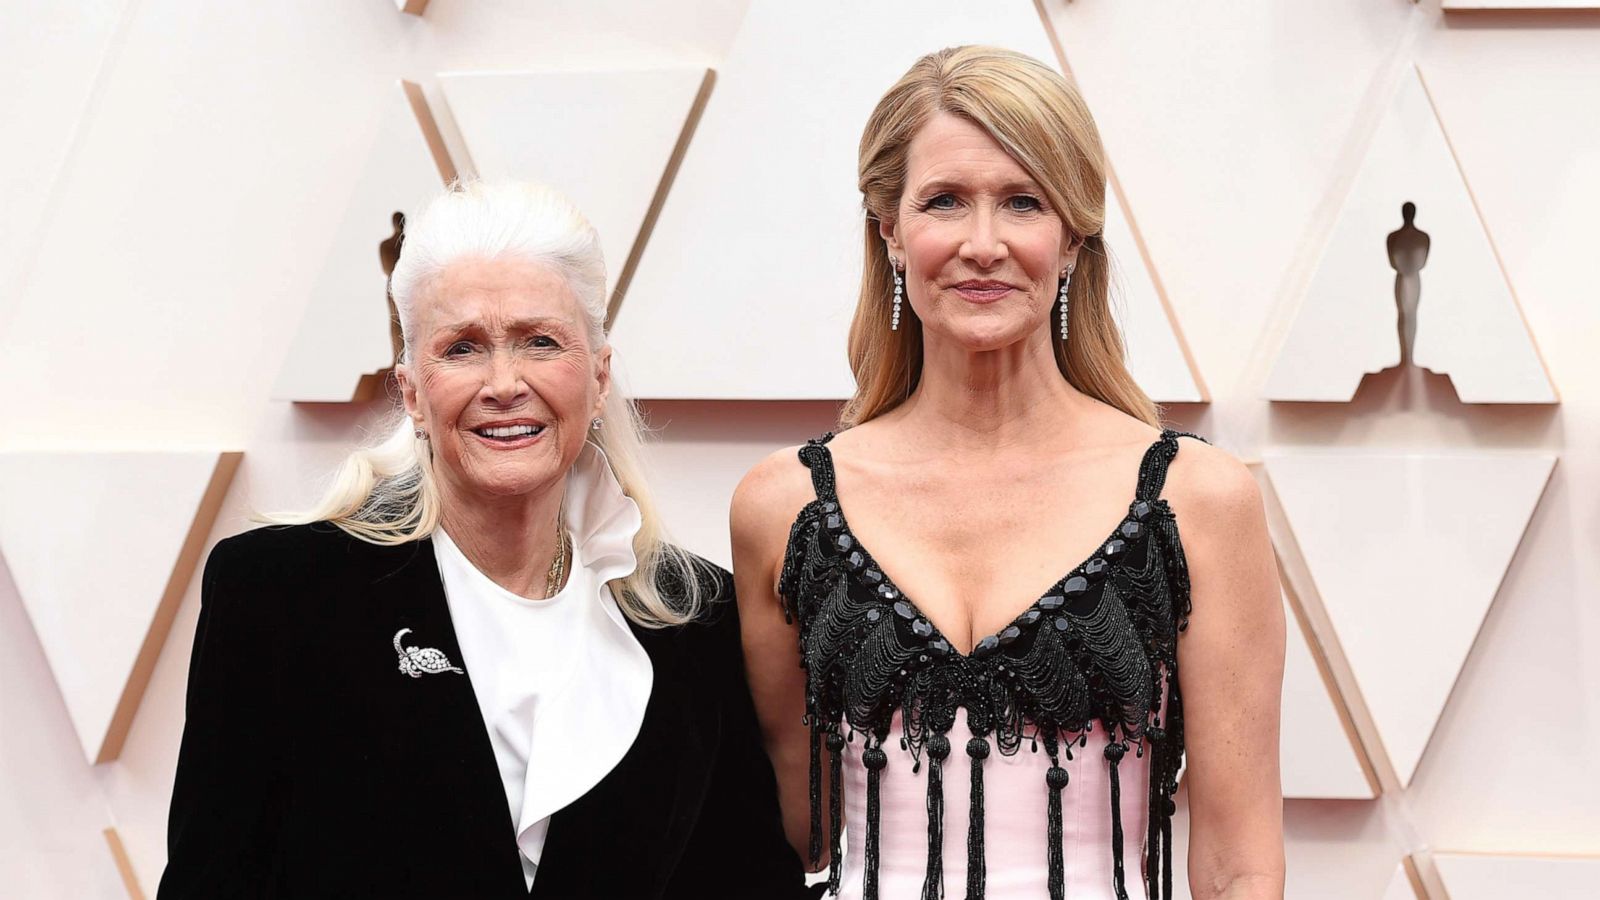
(174, 167)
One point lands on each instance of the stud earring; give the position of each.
(421, 435)
(596, 423)
(899, 293)
(1066, 280)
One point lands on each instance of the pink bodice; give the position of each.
(1014, 822)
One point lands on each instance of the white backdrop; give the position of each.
(174, 171)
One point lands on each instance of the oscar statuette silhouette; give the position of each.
(388, 256)
(1408, 253)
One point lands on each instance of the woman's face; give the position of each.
(502, 377)
(982, 249)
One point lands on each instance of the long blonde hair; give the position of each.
(1043, 123)
(386, 493)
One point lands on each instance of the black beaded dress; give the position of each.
(1072, 714)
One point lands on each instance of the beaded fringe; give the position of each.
(1165, 753)
(835, 810)
(1166, 855)
(1165, 750)
(1171, 759)
(815, 847)
(1056, 780)
(933, 883)
(978, 749)
(1114, 753)
(1153, 801)
(874, 759)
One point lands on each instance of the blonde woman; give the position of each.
(476, 670)
(975, 636)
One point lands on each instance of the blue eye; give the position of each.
(941, 201)
(1024, 203)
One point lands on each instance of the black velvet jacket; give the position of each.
(311, 766)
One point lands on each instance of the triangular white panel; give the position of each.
(758, 246)
(1470, 876)
(1407, 552)
(101, 547)
(602, 138)
(344, 339)
(1401, 886)
(1318, 758)
(1469, 326)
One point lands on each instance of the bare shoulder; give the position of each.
(1231, 563)
(1210, 485)
(769, 497)
(868, 440)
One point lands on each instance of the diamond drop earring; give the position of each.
(1066, 280)
(899, 293)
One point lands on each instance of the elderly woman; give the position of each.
(476, 670)
(1005, 685)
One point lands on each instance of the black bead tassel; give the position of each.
(835, 810)
(978, 750)
(874, 759)
(1114, 753)
(1056, 779)
(815, 847)
(1166, 854)
(1153, 801)
(938, 750)
(1173, 754)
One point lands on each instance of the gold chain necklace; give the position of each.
(558, 566)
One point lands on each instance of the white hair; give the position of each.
(385, 493)
(502, 220)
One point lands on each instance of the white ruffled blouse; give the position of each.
(546, 671)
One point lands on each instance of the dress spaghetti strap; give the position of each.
(814, 454)
(1153, 468)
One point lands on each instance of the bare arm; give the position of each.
(764, 506)
(1231, 672)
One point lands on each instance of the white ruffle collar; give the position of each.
(584, 730)
(586, 721)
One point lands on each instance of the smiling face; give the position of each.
(981, 248)
(502, 377)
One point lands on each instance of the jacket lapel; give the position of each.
(624, 837)
(428, 724)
